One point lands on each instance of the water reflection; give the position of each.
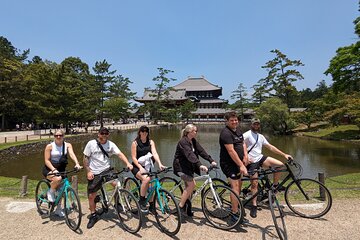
(315, 155)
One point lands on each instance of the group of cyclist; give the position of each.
(240, 154)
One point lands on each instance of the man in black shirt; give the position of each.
(233, 153)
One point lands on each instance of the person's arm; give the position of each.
(125, 160)
(246, 158)
(155, 154)
(86, 163)
(277, 151)
(70, 150)
(234, 156)
(204, 154)
(47, 158)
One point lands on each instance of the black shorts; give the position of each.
(135, 170)
(94, 185)
(254, 166)
(231, 170)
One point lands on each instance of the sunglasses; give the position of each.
(104, 133)
(58, 135)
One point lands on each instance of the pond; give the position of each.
(315, 155)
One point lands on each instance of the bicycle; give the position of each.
(125, 204)
(305, 197)
(167, 210)
(72, 206)
(215, 200)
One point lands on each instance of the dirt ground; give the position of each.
(20, 220)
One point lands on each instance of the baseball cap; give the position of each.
(103, 130)
(255, 120)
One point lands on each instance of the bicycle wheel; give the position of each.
(128, 211)
(215, 181)
(308, 198)
(44, 207)
(72, 209)
(172, 185)
(278, 216)
(167, 212)
(217, 207)
(132, 185)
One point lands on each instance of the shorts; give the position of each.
(255, 166)
(231, 170)
(135, 169)
(184, 177)
(95, 184)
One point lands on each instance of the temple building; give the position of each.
(204, 94)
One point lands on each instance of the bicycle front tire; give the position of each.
(172, 185)
(44, 207)
(128, 211)
(278, 215)
(167, 212)
(72, 209)
(308, 198)
(217, 208)
(132, 185)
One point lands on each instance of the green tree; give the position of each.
(74, 91)
(275, 116)
(282, 73)
(161, 94)
(241, 101)
(119, 104)
(186, 109)
(12, 85)
(260, 93)
(345, 66)
(103, 78)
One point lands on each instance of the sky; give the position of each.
(225, 41)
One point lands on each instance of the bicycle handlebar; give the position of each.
(165, 170)
(65, 172)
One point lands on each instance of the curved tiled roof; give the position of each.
(197, 84)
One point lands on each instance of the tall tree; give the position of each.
(282, 73)
(119, 104)
(345, 66)
(240, 96)
(104, 78)
(11, 79)
(161, 93)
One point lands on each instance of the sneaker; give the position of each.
(152, 207)
(183, 210)
(59, 211)
(93, 219)
(143, 207)
(253, 211)
(50, 195)
(188, 208)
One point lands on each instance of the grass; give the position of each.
(341, 132)
(341, 187)
(14, 144)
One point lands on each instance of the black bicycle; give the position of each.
(125, 204)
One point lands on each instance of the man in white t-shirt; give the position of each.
(254, 142)
(97, 162)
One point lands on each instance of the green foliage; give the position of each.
(186, 110)
(241, 101)
(161, 94)
(281, 75)
(345, 66)
(341, 132)
(275, 116)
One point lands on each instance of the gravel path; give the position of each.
(19, 220)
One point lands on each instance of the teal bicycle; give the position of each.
(72, 206)
(167, 211)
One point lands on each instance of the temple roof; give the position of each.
(179, 94)
(197, 84)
